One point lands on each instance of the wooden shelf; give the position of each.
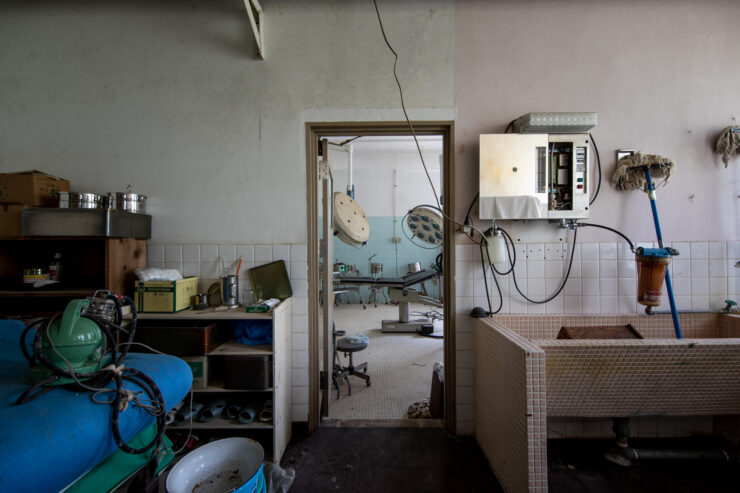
(56, 293)
(232, 348)
(223, 424)
(209, 314)
(218, 386)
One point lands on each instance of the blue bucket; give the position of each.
(228, 465)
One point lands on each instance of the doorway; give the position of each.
(321, 315)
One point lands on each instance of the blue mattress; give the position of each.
(49, 442)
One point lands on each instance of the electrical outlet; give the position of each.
(624, 153)
(465, 229)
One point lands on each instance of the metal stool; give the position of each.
(347, 347)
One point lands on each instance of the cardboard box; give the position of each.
(32, 187)
(199, 365)
(10, 219)
(165, 296)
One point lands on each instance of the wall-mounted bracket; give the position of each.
(256, 19)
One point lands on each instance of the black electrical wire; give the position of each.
(98, 379)
(467, 214)
(31, 358)
(565, 279)
(509, 126)
(598, 163)
(438, 263)
(485, 282)
(632, 245)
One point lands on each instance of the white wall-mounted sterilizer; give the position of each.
(534, 176)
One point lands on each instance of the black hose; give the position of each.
(565, 279)
(509, 126)
(485, 278)
(467, 214)
(632, 246)
(598, 163)
(30, 357)
(150, 387)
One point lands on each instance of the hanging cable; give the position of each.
(632, 245)
(485, 282)
(562, 284)
(411, 126)
(598, 163)
(509, 126)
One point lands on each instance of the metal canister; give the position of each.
(130, 202)
(414, 267)
(230, 291)
(79, 200)
(376, 269)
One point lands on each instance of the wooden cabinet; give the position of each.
(273, 436)
(88, 264)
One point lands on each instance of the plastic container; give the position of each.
(651, 269)
(232, 464)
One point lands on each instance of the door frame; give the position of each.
(328, 129)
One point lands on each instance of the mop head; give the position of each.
(630, 172)
(728, 144)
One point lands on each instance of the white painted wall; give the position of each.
(167, 97)
(373, 179)
(662, 76)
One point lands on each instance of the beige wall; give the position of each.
(662, 76)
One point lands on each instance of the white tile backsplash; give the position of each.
(699, 250)
(589, 251)
(191, 253)
(281, 252)
(603, 278)
(717, 250)
(173, 253)
(246, 253)
(262, 254)
(607, 251)
(228, 254)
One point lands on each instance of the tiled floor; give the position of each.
(399, 365)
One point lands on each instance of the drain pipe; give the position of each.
(624, 455)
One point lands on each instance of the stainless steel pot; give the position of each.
(376, 268)
(80, 200)
(414, 267)
(130, 202)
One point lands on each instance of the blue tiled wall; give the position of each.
(395, 257)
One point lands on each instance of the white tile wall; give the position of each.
(603, 278)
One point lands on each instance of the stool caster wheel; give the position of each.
(364, 307)
(368, 383)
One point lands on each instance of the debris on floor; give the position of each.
(419, 410)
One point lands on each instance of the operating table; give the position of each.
(399, 290)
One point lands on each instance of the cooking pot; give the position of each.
(79, 200)
(130, 202)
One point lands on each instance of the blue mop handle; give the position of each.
(669, 287)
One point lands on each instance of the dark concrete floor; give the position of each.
(388, 460)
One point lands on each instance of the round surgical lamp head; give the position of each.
(350, 222)
(426, 224)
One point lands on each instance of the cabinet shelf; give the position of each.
(277, 355)
(218, 386)
(57, 293)
(223, 424)
(233, 348)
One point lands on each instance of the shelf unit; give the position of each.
(88, 264)
(274, 436)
